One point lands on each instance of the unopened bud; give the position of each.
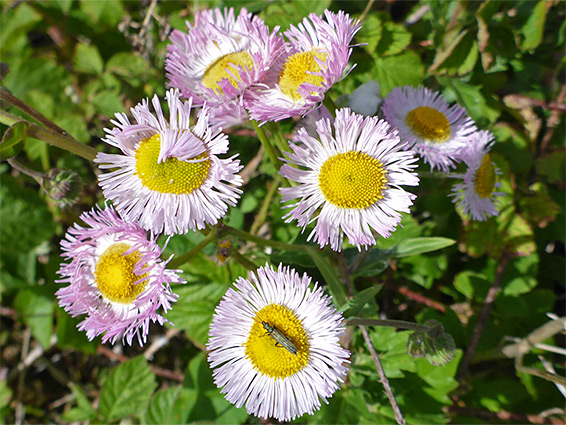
(64, 186)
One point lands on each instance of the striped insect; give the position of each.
(279, 338)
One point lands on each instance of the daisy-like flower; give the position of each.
(349, 180)
(168, 177)
(435, 131)
(220, 57)
(274, 345)
(476, 194)
(115, 278)
(316, 58)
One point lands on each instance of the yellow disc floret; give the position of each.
(172, 175)
(218, 70)
(485, 177)
(115, 277)
(352, 180)
(429, 123)
(268, 356)
(295, 72)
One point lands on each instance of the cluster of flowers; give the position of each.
(274, 342)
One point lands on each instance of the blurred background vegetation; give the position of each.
(79, 62)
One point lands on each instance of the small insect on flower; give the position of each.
(279, 338)
(274, 344)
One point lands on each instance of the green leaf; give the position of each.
(393, 39)
(551, 166)
(210, 405)
(36, 307)
(399, 70)
(26, 221)
(84, 411)
(127, 65)
(11, 140)
(335, 287)
(370, 33)
(416, 246)
(353, 307)
(436, 346)
(68, 336)
(87, 59)
(481, 109)
(194, 308)
(373, 262)
(106, 13)
(127, 390)
(5, 393)
(108, 103)
(533, 29)
(160, 409)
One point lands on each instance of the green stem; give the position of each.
(182, 259)
(239, 258)
(330, 105)
(62, 141)
(267, 145)
(263, 242)
(280, 140)
(34, 113)
(266, 204)
(400, 324)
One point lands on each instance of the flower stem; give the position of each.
(263, 242)
(330, 105)
(400, 324)
(62, 141)
(182, 259)
(266, 143)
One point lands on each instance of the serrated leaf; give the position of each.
(26, 220)
(353, 307)
(127, 390)
(194, 308)
(160, 409)
(11, 140)
(393, 39)
(87, 59)
(84, 411)
(552, 166)
(108, 103)
(399, 70)
(127, 65)
(370, 33)
(416, 246)
(36, 307)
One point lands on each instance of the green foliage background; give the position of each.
(79, 62)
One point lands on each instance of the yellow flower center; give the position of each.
(294, 73)
(352, 180)
(115, 277)
(218, 70)
(266, 354)
(429, 123)
(172, 175)
(485, 177)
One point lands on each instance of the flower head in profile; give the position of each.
(220, 57)
(435, 131)
(168, 177)
(316, 57)
(476, 195)
(349, 180)
(274, 345)
(115, 277)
